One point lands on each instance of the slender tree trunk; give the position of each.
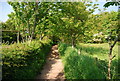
(41, 37)
(28, 28)
(22, 39)
(34, 27)
(110, 54)
(35, 20)
(18, 37)
(73, 42)
(109, 63)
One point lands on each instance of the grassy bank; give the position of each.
(91, 63)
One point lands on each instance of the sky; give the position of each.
(6, 9)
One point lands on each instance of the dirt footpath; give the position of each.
(53, 68)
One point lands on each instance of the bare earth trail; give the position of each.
(53, 68)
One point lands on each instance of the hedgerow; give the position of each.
(24, 60)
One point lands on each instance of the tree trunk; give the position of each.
(110, 54)
(23, 39)
(18, 37)
(35, 20)
(41, 37)
(34, 27)
(28, 29)
(109, 63)
(73, 42)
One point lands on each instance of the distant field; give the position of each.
(98, 50)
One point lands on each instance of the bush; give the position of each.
(62, 48)
(24, 60)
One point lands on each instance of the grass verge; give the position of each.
(91, 63)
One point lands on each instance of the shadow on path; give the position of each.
(53, 68)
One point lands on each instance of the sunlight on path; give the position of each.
(53, 68)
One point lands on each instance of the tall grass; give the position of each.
(91, 63)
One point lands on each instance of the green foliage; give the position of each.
(71, 20)
(24, 60)
(100, 25)
(28, 16)
(10, 37)
(111, 4)
(62, 48)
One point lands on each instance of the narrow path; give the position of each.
(53, 68)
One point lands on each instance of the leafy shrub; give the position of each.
(24, 60)
(62, 48)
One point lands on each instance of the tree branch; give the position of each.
(113, 56)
